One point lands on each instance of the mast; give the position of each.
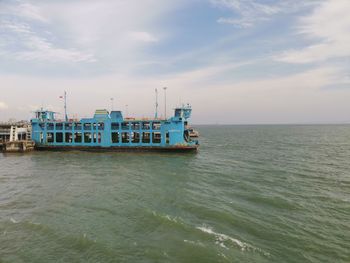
(112, 104)
(156, 115)
(65, 106)
(165, 101)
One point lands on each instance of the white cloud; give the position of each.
(81, 30)
(30, 11)
(3, 105)
(21, 41)
(250, 12)
(241, 23)
(43, 50)
(110, 28)
(143, 37)
(21, 9)
(328, 26)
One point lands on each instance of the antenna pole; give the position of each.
(112, 104)
(165, 88)
(156, 115)
(65, 106)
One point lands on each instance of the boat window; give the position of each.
(187, 135)
(68, 126)
(125, 125)
(99, 137)
(101, 125)
(156, 125)
(167, 138)
(20, 136)
(59, 126)
(146, 137)
(115, 137)
(135, 125)
(41, 137)
(87, 137)
(94, 125)
(114, 125)
(49, 137)
(68, 137)
(59, 137)
(50, 126)
(145, 125)
(77, 137)
(125, 137)
(94, 137)
(135, 137)
(87, 126)
(42, 125)
(156, 137)
(177, 112)
(77, 126)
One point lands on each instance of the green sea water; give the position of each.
(251, 194)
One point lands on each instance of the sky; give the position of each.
(234, 61)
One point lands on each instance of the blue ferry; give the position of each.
(111, 131)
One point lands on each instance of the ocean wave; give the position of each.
(176, 219)
(13, 220)
(220, 240)
(196, 243)
(222, 237)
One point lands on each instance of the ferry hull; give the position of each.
(179, 148)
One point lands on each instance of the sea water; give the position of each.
(250, 194)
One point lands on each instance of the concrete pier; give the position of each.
(16, 137)
(17, 146)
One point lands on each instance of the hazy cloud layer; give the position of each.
(3, 105)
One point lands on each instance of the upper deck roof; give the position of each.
(180, 114)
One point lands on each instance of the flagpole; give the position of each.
(156, 115)
(165, 101)
(112, 104)
(65, 106)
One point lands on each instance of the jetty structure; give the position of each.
(16, 137)
(110, 131)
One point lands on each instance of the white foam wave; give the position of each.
(221, 244)
(220, 240)
(222, 255)
(175, 219)
(194, 243)
(13, 220)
